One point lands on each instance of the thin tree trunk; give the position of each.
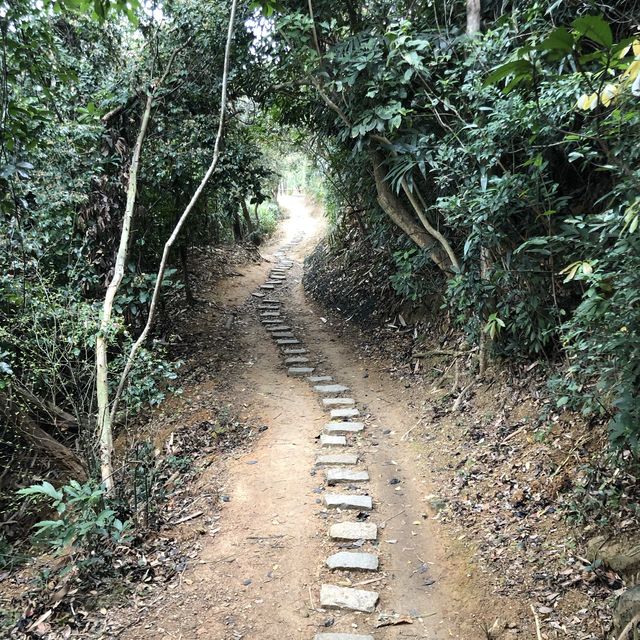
(102, 366)
(104, 421)
(184, 260)
(246, 216)
(399, 214)
(256, 216)
(473, 16)
(237, 227)
(485, 340)
(183, 218)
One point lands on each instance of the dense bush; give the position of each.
(507, 157)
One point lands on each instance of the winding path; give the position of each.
(326, 533)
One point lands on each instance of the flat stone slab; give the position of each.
(332, 441)
(266, 286)
(272, 321)
(353, 531)
(344, 413)
(339, 428)
(299, 371)
(268, 307)
(319, 378)
(353, 561)
(294, 351)
(269, 314)
(340, 636)
(258, 294)
(287, 341)
(336, 402)
(296, 360)
(345, 476)
(333, 597)
(278, 276)
(336, 458)
(330, 388)
(278, 327)
(345, 501)
(284, 334)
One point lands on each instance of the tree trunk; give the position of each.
(237, 227)
(473, 16)
(256, 216)
(104, 425)
(184, 260)
(399, 214)
(485, 339)
(246, 216)
(185, 214)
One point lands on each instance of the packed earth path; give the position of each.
(324, 529)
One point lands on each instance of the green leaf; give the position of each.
(516, 67)
(558, 40)
(595, 28)
(46, 488)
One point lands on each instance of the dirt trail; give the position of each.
(259, 573)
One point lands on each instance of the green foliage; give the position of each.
(269, 215)
(521, 146)
(84, 523)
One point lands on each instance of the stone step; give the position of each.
(277, 276)
(282, 334)
(257, 294)
(336, 402)
(340, 428)
(330, 388)
(344, 413)
(345, 476)
(336, 458)
(344, 501)
(278, 327)
(272, 301)
(268, 307)
(298, 371)
(319, 378)
(353, 561)
(269, 314)
(332, 441)
(273, 282)
(287, 341)
(294, 351)
(332, 597)
(271, 321)
(296, 360)
(340, 636)
(353, 531)
(266, 286)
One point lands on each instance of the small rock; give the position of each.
(298, 371)
(353, 561)
(344, 413)
(336, 402)
(340, 501)
(337, 458)
(338, 428)
(330, 388)
(333, 441)
(353, 531)
(333, 597)
(340, 636)
(335, 476)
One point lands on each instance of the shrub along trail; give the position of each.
(297, 497)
